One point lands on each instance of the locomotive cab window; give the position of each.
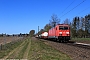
(63, 28)
(60, 27)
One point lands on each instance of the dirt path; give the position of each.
(21, 52)
(13, 51)
(17, 54)
(25, 56)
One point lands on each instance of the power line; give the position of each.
(73, 8)
(83, 10)
(69, 5)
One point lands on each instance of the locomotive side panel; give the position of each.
(51, 33)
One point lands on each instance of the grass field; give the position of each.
(8, 48)
(81, 39)
(40, 51)
(32, 50)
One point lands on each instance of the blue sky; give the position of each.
(21, 16)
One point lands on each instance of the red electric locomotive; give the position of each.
(60, 32)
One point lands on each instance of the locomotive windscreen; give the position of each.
(63, 28)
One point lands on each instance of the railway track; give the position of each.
(77, 51)
(73, 43)
(76, 44)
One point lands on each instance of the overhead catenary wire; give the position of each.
(83, 10)
(73, 8)
(69, 5)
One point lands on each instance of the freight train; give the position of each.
(60, 32)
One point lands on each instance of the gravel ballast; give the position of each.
(76, 53)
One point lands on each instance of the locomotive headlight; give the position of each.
(60, 32)
(67, 32)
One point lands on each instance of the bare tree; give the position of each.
(54, 20)
(66, 21)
